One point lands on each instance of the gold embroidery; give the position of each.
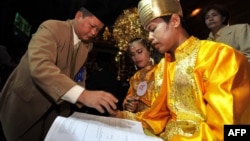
(182, 97)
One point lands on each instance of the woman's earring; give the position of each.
(136, 68)
(151, 60)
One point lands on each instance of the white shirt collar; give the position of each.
(76, 39)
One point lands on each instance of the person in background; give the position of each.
(205, 84)
(141, 94)
(44, 84)
(216, 18)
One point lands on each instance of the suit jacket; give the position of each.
(41, 78)
(237, 36)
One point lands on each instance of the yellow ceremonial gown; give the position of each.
(152, 90)
(206, 86)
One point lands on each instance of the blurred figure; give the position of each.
(216, 18)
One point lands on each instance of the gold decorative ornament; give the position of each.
(127, 27)
(106, 34)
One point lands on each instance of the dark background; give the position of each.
(36, 11)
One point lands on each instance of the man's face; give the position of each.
(87, 27)
(161, 35)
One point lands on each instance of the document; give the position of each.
(86, 127)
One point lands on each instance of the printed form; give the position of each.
(86, 127)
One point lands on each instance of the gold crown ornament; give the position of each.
(127, 27)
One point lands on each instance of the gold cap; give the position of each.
(151, 9)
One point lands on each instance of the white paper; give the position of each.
(124, 124)
(85, 127)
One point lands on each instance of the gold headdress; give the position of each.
(128, 27)
(151, 9)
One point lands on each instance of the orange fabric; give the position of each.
(149, 98)
(146, 74)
